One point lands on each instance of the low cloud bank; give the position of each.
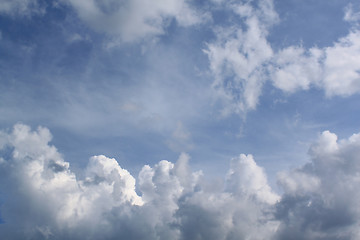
(41, 198)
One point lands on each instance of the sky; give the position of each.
(179, 119)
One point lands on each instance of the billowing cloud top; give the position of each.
(44, 199)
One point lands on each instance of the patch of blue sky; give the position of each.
(309, 23)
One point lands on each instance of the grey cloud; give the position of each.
(321, 199)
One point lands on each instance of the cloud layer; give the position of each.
(43, 199)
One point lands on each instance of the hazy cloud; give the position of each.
(133, 20)
(21, 7)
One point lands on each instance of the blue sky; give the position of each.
(143, 81)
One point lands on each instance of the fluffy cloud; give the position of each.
(131, 20)
(334, 69)
(242, 60)
(238, 56)
(43, 198)
(342, 66)
(294, 68)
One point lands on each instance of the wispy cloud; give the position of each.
(134, 20)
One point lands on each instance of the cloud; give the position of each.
(342, 66)
(48, 195)
(246, 178)
(242, 60)
(335, 69)
(43, 198)
(350, 15)
(21, 7)
(321, 199)
(133, 20)
(238, 55)
(295, 69)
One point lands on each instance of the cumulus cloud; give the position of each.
(133, 20)
(43, 198)
(321, 199)
(45, 194)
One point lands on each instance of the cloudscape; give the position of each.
(180, 119)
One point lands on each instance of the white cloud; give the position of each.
(295, 69)
(342, 66)
(133, 20)
(52, 202)
(335, 69)
(238, 56)
(247, 179)
(55, 197)
(243, 60)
